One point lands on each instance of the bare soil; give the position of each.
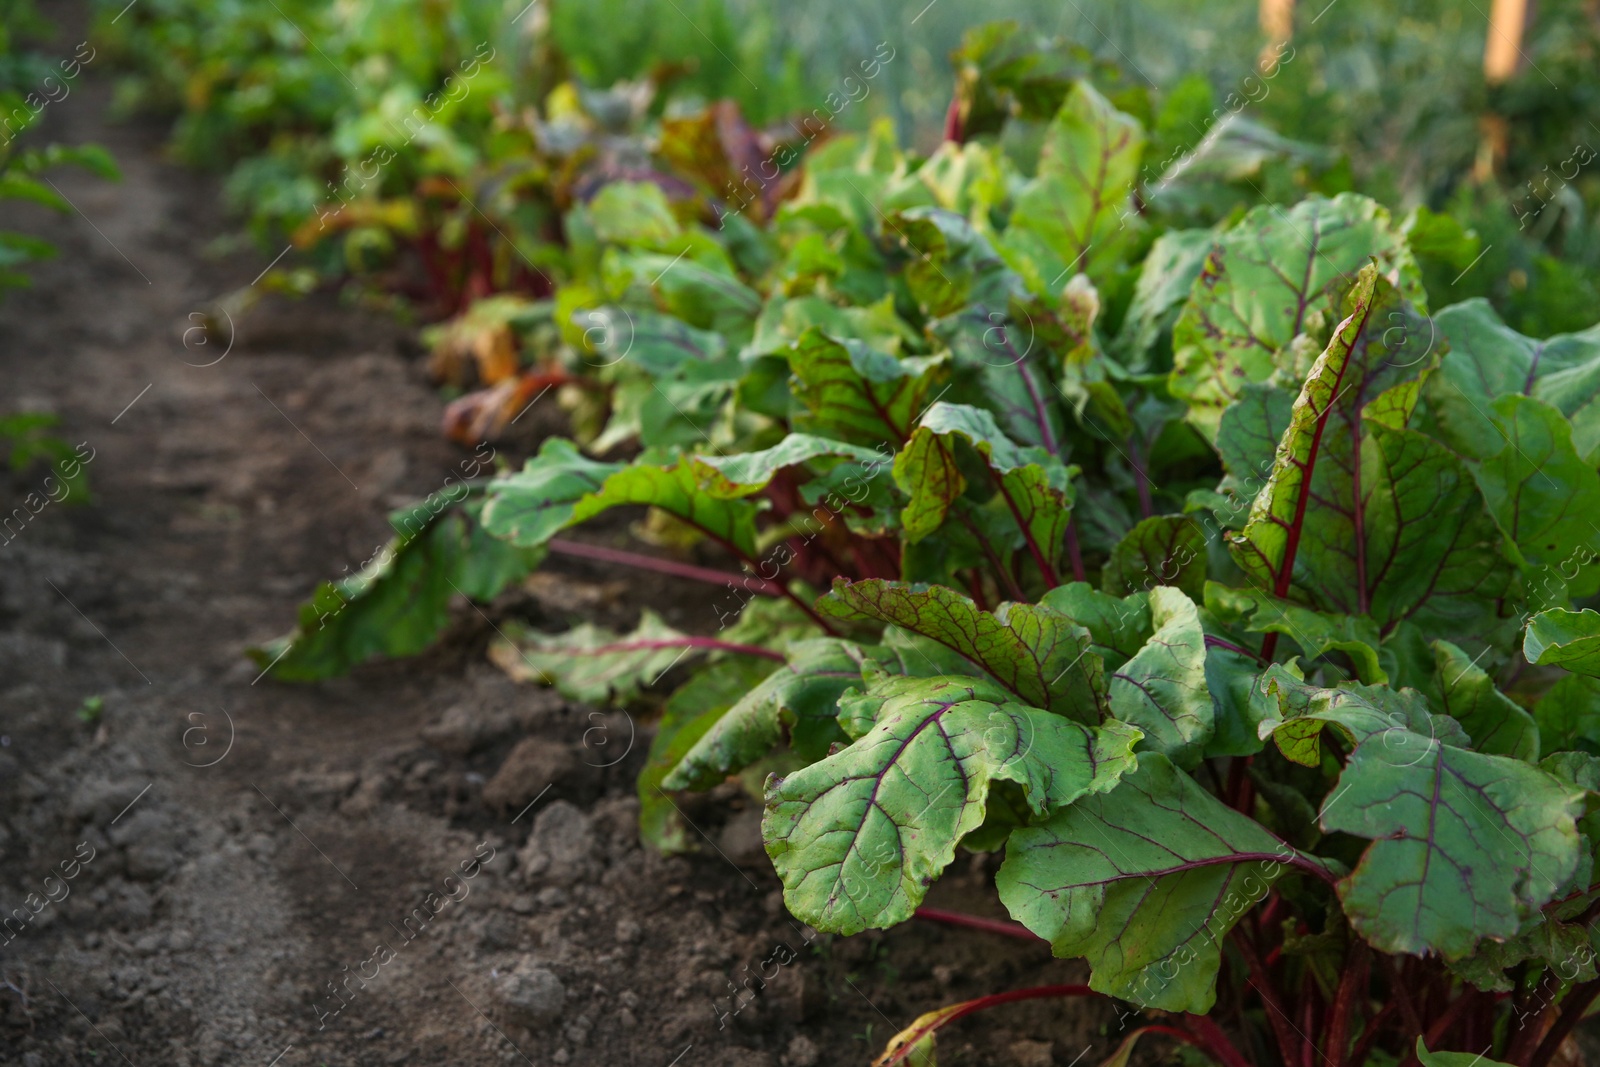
(254, 843)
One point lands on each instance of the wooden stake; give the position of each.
(1502, 51)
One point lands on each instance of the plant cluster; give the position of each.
(1229, 586)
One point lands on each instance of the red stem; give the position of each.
(1261, 982)
(1074, 553)
(1572, 1010)
(1352, 984)
(710, 643)
(1217, 642)
(974, 922)
(980, 1004)
(753, 583)
(1216, 1042)
(1045, 568)
(1441, 1026)
(1141, 476)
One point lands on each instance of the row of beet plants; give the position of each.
(1228, 589)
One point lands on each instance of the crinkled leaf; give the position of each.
(1162, 689)
(1465, 845)
(853, 393)
(1038, 654)
(1263, 279)
(858, 837)
(1562, 638)
(1144, 881)
(1161, 550)
(1363, 518)
(1398, 718)
(1496, 724)
(1118, 626)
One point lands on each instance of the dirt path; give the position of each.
(254, 844)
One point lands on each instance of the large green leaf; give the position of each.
(858, 837)
(1317, 633)
(1489, 360)
(400, 601)
(999, 352)
(1465, 846)
(799, 699)
(1029, 483)
(529, 507)
(1144, 881)
(676, 490)
(1118, 626)
(1359, 713)
(1569, 715)
(591, 663)
(853, 393)
(1266, 278)
(1161, 550)
(1039, 655)
(1496, 724)
(1363, 517)
(745, 473)
(1074, 215)
(1162, 689)
(696, 706)
(1562, 638)
(1544, 496)
(1165, 278)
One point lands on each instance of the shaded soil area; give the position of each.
(249, 858)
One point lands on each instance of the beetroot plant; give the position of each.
(1230, 592)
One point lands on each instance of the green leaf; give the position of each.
(660, 345)
(633, 213)
(1465, 846)
(400, 600)
(1315, 632)
(1569, 715)
(1489, 360)
(1118, 626)
(590, 663)
(855, 394)
(677, 491)
(858, 837)
(1398, 529)
(1542, 494)
(955, 264)
(1144, 881)
(1170, 267)
(745, 473)
(1399, 718)
(1161, 550)
(1162, 689)
(1562, 638)
(1029, 483)
(800, 698)
(1075, 215)
(697, 705)
(1001, 352)
(529, 507)
(1266, 278)
(1039, 655)
(1494, 722)
(1452, 1059)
